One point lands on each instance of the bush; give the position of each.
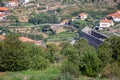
(16, 55)
(83, 57)
(39, 63)
(13, 55)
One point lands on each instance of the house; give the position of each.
(23, 1)
(83, 16)
(3, 12)
(12, 3)
(2, 37)
(74, 18)
(106, 23)
(3, 9)
(64, 22)
(115, 16)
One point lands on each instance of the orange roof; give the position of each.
(64, 21)
(3, 8)
(13, 1)
(106, 21)
(118, 11)
(115, 15)
(83, 14)
(25, 39)
(2, 37)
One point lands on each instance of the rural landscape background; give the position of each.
(59, 39)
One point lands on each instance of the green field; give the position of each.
(64, 36)
(48, 74)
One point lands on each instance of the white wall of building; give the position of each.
(105, 24)
(116, 19)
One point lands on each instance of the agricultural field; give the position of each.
(64, 36)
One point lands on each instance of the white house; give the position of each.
(83, 16)
(74, 18)
(24, 1)
(115, 16)
(106, 23)
(12, 3)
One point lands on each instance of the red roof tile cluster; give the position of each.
(3, 9)
(13, 1)
(2, 37)
(83, 14)
(106, 21)
(115, 15)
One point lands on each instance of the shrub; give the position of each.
(39, 63)
(13, 55)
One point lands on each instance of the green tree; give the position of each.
(83, 57)
(105, 53)
(39, 63)
(79, 24)
(13, 55)
(111, 48)
(52, 52)
(1, 3)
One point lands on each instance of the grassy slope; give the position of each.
(49, 74)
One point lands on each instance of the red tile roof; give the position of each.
(106, 21)
(2, 37)
(3, 9)
(115, 15)
(83, 14)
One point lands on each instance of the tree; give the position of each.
(52, 52)
(104, 53)
(16, 55)
(13, 55)
(39, 63)
(79, 24)
(1, 3)
(42, 18)
(111, 48)
(84, 57)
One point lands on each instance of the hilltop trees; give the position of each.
(13, 55)
(83, 59)
(16, 55)
(110, 50)
(109, 53)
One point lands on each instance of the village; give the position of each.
(108, 25)
(59, 39)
